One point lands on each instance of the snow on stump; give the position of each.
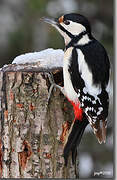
(31, 126)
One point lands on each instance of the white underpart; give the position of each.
(86, 75)
(68, 87)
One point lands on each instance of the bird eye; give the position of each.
(66, 22)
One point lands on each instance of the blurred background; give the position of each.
(21, 32)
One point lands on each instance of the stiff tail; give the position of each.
(74, 138)
(100, 130)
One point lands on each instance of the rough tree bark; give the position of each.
(31, 144)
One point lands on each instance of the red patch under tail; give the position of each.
(77, 111)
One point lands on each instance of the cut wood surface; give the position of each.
(31, 127)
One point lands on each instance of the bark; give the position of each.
(31, 127)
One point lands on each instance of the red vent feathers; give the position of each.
(77, 111)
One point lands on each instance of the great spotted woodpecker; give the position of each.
(86, 78)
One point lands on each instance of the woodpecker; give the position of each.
(86, 71)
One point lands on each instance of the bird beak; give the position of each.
(53, 22)
(56, 23)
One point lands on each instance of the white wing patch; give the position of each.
(87, 76)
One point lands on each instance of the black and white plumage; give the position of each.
(86, 78)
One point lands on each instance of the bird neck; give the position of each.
(81, 39)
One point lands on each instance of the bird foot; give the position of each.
(53, 85)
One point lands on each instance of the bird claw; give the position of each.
(52, 82)
(50, 91)
(50, 77)
(53, 85)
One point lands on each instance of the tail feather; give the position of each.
(75, 138)
(99, 135)
(100, 130)
(74, 148)
(104, 127)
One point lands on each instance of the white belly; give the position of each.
(69, 90)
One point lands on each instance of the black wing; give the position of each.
(96, 108)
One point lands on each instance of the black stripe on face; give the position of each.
(67, 32)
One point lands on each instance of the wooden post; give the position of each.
(30, 126)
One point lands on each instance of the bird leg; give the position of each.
(53, 85)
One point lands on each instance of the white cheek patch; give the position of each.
(74, 28)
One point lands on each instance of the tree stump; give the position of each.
(31, 126)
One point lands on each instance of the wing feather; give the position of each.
(91, 86)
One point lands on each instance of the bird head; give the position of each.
(70, 25)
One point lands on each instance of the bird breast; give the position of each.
(68, 87)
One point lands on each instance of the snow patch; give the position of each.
(48, 58)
